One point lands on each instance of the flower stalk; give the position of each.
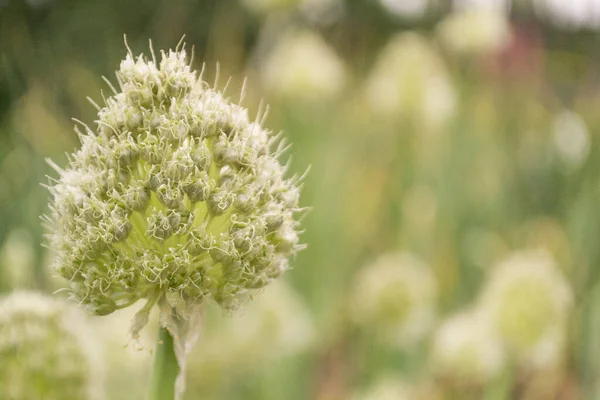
(165, 369)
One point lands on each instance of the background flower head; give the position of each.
(527, 301)
(395, 297)
(47, 351)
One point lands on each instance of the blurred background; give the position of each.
(454, 238)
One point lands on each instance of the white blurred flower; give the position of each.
(570, 14)
(483, 5)
(571, 138)
(395, 297)
(276, 322)
(527, 300)
(275, 325)
(315, 10)
(409, 78)
(47, 350)
(302, 66)
(388, 388)
(475, 31)
(466, 350)
(324, 11)
(266, 6)
(17, 259)
(406, 8)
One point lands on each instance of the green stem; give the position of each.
(165, 369)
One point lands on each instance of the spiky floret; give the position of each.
(176, 196)
(46, 351)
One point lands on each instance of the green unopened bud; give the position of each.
(200, 188)
(219, 200)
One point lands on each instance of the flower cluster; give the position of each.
(290, 71)
(275, 326)
(406, 9)
(387, 388)
(176, 196)
(395, 295)
(527, 301)
(278, 323)
(265, 6)
(392, 387)
(466, 350)
(45, 351)
(410, 80)
(475, 31)
(320, 11)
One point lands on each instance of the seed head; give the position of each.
(45, 351)
(176, 196)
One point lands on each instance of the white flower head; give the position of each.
(277, 322)
(303, 66)
(319, 11)
(175, 197)
(571, 138)
(466, 350)
(387, 388)
(272, 327)
(269, 6)
(47, 351)
(406, 8)
(410, 79)
(570, 15)
(395, 297)
(502, 6)
(475, 31)
(527, 301)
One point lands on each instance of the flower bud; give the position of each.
(137, 198)
(200, 188)
(219, 200)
